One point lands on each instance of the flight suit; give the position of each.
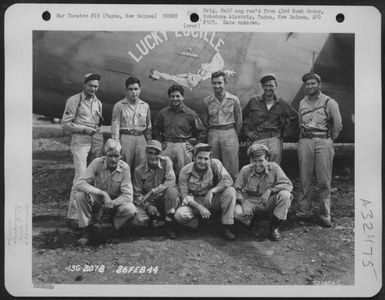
(80, 113)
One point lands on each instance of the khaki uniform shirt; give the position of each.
(251, 184)
(190, 182)
(81, 112)
(320, 119)
(130, 116)
(157, 180)
(224, 113)
(98, 177)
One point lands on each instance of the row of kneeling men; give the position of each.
(204, 187)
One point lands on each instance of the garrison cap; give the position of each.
(268, 77)
(201, 147)
(154, 144)
(308, 76)
(256, 150)
(91, 76)
(112, 145)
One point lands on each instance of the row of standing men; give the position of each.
(264, 121)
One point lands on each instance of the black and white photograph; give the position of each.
(194, 157)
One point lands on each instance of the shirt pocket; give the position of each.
(116, 183)
(227, 111)
(142, 117)
(83, 112)
(212, 110)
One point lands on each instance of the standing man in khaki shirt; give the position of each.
(320, 123)
(82, 118)
(224, 120)
(263, 186)
(155, 189)
(131, 124)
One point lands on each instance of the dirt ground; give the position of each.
(307, 254)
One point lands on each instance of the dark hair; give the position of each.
(132, 80)
(219, 74)
(175, 88)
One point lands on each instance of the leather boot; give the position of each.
(170, 230)
(227, 234)
(274, 228)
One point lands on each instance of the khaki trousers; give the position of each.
(225, 147)
(133, 149)
(179, 156)
(277, 205)
(224, 202)
(88, 205)
(317, 155)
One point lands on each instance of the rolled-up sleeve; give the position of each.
(125, 189)
(69, 116)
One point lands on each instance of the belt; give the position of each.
(130, 132)
(176, 140)
(314, 134)
(222, 127)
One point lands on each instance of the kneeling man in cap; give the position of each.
(106, 183)
(155, 189)
(206, 186)
(262, 186)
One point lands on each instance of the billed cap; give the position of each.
(308, 76)
(256, 150)
(91, 76)
(154, 144)
(268, 77)
(201, 147)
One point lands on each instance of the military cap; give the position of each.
(91, 76)
(308, 76)
(256, 150)
(201, 147)
(112, 145)
(154, 144)
(268, 77)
